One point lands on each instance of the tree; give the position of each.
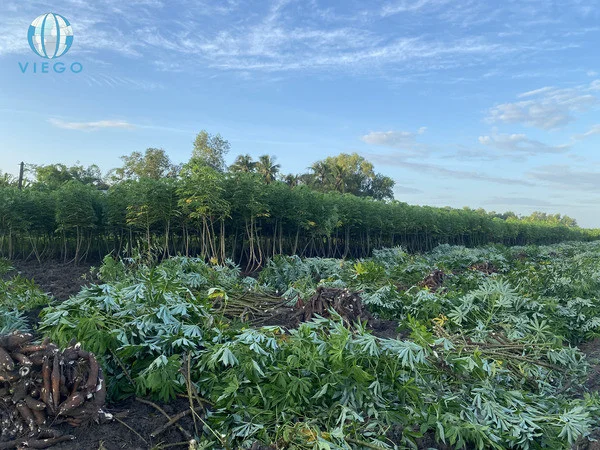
(381, 187)
(211, 150)
(75, 214)
(244, 164)
(6, 179)
(350, 173)
(152, 202)
(154, 164)
(292, 180)
(267, 168)
(322, 173)
(201, 198)
(52, 176)
(542, 217)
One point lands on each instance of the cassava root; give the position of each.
(40, 385)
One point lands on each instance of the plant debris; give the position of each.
(487, 268)
(434, 280)
(344, 302)
(41, 386)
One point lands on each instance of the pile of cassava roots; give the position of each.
(42, 386)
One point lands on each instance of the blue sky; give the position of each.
(462, 102)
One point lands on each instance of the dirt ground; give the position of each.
(60, 280)
(142, 418)
(592, 350)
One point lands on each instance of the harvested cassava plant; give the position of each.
(434, 280)
(346, 303)
(41, 385)
(487, 267)
(252, 307)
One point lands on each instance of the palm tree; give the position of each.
(267, 168)
(340, 176)
(243, 163)
(6, 179)
(292, 180)
(321, 173)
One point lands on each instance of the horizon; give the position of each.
(461, 103)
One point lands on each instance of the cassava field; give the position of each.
(490, 348)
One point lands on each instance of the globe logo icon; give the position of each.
(50, 35)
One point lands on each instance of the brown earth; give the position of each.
(142, 418)
(592, 351)
(56, 278)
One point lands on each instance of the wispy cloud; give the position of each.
(566, 177)
(519, 201)
(548, 107)
(92, 126)
(398, 189)
(594, 130)
(276, 36)
(105, 79)
(404, 6)
(520, 143)
(400, 160)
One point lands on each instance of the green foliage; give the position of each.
(12, 320)
(342, 209)
(267, 168)
(154, 164)
(243, 163)
(19, 293)
(55, 175)
(352, 174)
(17, 296)
(489, 361)
(210, 150)
(292, 275)
(5, 266)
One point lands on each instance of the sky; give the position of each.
(462, 102)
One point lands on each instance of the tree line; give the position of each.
(247, 212)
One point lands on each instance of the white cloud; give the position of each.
(548, 107)
(595, 129)
(288, 35)
(92, 126)
(272, 37)
(520, 143)
(403, 140)
(404, 6)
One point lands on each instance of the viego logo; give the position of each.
(50, 36)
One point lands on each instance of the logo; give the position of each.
(50, 35)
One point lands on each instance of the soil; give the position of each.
(55, 278)
(144, 419)
(592, 351)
